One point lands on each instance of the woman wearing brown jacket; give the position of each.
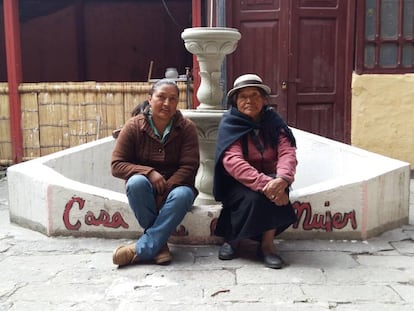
(157, 154)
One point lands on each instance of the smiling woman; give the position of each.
(163, 100)
(157, 154)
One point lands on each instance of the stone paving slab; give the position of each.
(373, 306)
(396, 261)
(289, 275)
(406, 291)
(405, 247)
(367, 275)
(352, 293)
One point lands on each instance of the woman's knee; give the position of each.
(183, 196)
(253, 196)
(136, 182)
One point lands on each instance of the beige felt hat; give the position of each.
(248, 80)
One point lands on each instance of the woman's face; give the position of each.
(250, 102)
(164, 102)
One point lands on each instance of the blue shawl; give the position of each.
(235, 125)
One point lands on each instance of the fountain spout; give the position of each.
(210, 45)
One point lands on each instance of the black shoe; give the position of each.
(273, 261)
(270, 260)
(226, 252)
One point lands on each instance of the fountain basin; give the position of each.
(211, 40)
(340, 192)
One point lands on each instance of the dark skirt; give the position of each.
(246, 214)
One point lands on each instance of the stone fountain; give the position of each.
(210, 45)
(340, 192)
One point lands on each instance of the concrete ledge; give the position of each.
(340, 192)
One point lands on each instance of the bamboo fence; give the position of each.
(56, 116)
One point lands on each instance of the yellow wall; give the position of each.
(383, 115)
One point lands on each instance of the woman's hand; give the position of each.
(275, 191)
(158, 182)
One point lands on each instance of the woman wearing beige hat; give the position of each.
(255, 165)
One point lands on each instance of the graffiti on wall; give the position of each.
(327, 222)
(90, 219)
(307, 218)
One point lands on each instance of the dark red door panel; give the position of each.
(302, 49)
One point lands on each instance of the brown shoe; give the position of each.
(164, 256)
(125, 255)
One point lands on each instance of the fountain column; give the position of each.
(210, 45)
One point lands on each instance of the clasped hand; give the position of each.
(159, 184)
(275, 191)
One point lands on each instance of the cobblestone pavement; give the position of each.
(43, 273)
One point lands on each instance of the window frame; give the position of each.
(362, 41)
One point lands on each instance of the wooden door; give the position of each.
(263, 47)
(301, 49)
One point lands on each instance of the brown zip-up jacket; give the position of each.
(139, 151)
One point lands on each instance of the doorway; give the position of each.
(303, 50)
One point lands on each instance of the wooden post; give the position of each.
(14, 74)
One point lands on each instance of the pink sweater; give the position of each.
(253, 172)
